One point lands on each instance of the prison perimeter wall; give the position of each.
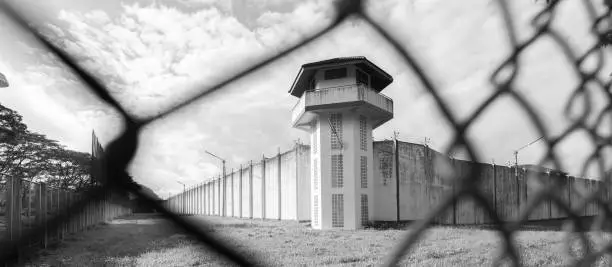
(409, 181)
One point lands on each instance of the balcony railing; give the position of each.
(341, 94)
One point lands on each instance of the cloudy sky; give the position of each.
(154, 54)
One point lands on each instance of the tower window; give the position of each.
(315, 207)
(336, 130)
(364, 171)
(335, 74)
(314, 136)
(336, 169)
(363, 133)
(315, 173)
(362, 77)
(364, 209)
(337, 210)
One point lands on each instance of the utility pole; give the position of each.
(223, 178)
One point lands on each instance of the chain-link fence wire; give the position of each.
(121, 150)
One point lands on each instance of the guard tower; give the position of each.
(340, 104)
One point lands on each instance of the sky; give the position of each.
(154, 54)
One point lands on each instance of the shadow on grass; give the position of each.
(119, 242)
(552, 225)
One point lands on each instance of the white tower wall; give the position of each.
(341, 172)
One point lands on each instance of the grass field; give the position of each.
(146, 240)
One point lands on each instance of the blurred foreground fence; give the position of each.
(502, 79)
(29, 205)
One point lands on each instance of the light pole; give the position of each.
(183, 198)
(223, 175)
(516, 154)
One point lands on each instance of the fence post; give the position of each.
(224, 203)
(209, 198)
(58, 212)
(279, 183)
(397, 179)
(240, 192)
(454, 187)
(263, 187)
(297, 182)
(494, 188)
(41, 216)
(13, 212)
(518, 192)
(548, 184)
(232, 187)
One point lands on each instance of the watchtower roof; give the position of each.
(379, 78)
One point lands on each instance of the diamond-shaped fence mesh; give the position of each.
(122, 149)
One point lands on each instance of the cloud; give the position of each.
(31, 94)
(155, 56)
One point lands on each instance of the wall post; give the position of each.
(297, 182)
(13, 211)
(240, 192)
(233, 192)
(279, 184)
(397, 179)
(494, 188)
(251, 189)
(41, 216)
(263, 187)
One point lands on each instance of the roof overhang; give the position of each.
(379, 78)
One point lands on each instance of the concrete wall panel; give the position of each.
(506, 193)
(246, 196)
(271, 192)
(234, 191)
(439, 167)
(577, 195)
(257, 191)
(414, 185)
(487, 187)
(464, 208)
(535, 182)
(562, 192)
(303, 160)
(384, 182)
(288, 186)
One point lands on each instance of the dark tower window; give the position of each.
(362, 77)
(335, 74)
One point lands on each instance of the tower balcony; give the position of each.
(377, 106)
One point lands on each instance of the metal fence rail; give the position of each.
(122, 150)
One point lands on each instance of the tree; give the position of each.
(69, 169)
(27, 156)
(36, 158)
(11, 124)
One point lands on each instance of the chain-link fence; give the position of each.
(122, 150)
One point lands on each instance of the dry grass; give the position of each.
(146, 241)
